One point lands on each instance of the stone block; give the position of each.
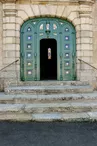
(17, 33)
(35, 9)
(17, 27)
(86, 27)
(87, 40)
(86, 20)
(44, 10)
(86, 47)
(19, 20)
(9, 6)
(11, 47)
(78, 40)
(11, 107)
(70, 11)
(76, 21)
(8, 54)
(79, 53)
(11, 54)
(27, 9)
(10, 40)
(52, 9)
(87, 59)
(72, 16)
(78, 28)
(6, 20)
(1, 85)
(78, 34)
(78, 47)
(10, 26)
(9, 19)
(17, 41)
(47, 117)
(22, 14)
(7, 61)
(88, 53)
(9, 33)
(60, 10)
(8, 74)
(86, 33)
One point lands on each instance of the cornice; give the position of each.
(50, 1)
(8, 1)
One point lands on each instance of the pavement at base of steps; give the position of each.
(48, 134)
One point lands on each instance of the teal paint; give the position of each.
(32, 31)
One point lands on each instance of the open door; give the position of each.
(48, 59)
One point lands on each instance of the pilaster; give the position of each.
(10, 39)
(85, 41)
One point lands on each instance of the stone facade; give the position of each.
(82, 14)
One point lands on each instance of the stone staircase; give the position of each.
(49, 101)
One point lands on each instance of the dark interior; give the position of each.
(48, 67)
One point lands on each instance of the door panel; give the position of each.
(69, 53)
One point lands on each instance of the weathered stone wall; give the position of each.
(94, 15)
(1, 33)
(78, 13)
(1, 46)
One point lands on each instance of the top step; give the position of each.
(47, 90)
(49, 83)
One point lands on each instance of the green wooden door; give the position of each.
(35, 30)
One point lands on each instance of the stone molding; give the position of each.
(8, 1)
(8, 12)
(50, 1)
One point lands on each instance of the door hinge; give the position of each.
(22, 54)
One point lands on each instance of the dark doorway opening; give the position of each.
(48, 59)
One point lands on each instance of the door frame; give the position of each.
(36, 41)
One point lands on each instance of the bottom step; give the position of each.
(67, 117)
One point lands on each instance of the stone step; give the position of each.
(66, 107)
(24, 99)
(50, 83)
(48, 89)
(68, 117)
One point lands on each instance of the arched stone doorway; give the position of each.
(41, 38)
